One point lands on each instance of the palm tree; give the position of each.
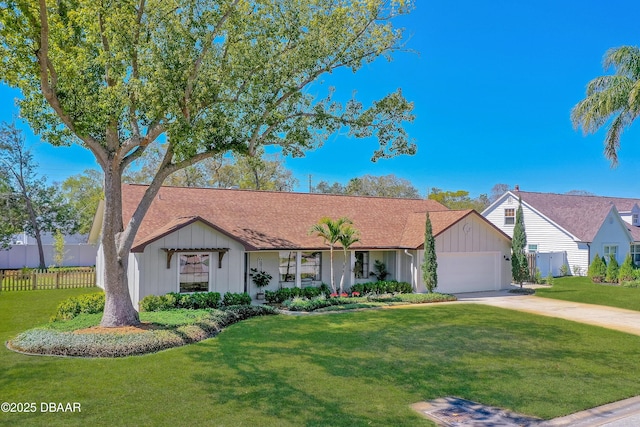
(614, 97)
(348, 237)
(330, 230)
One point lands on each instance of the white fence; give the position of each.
(76, 255)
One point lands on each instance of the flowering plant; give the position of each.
(344, 295)
(355, 294)
(333, 295)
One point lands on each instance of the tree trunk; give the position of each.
(42, 265)
(333, 279)
(118, 309)
(344, 269)
(34, 224)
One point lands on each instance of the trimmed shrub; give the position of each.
(196, 328)
(625, 274)
(304, 304)
(82, 304)
(174, 300)
(281, 295)
(382, 287)
(597, 269)
(612, 270)
(231, 299)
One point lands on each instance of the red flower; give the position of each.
(344, 294)
(355, 294)
(333, 295)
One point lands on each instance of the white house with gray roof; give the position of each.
(571, 229)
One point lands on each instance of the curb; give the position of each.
(599, 415)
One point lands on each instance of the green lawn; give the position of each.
(346, 369)
(581, 289)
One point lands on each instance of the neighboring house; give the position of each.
(197, 239)
(24, 252)
(570, 230)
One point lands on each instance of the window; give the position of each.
(634, 219)
(509, 216)
(635, 254)
(361, 268)
(532, 248)
(310, 266)
(287, 266)
(194, 272)
(610, 250)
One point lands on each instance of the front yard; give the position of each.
(582, 289)
(347, 369)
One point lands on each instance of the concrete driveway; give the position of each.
(598, 315)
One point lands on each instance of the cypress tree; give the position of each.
(625, 274)
(612, 270)
(430, 262)
(519, 264)
(597, 269)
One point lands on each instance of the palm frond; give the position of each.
(625, 60)
(606, 98)
(612, 140)
(634, 99)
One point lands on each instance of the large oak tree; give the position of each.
(205, 76)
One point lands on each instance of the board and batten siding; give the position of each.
(156, 279)
(542, 232)
(475, 237)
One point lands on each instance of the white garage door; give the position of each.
(468, 271)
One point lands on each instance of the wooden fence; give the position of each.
(32, 279)
(531, 261)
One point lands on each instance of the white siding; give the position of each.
(542, 232)
(156, 279)
(628, 216)
(612, 232)
(469, 241)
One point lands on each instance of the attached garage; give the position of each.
(473, 255)
(469, 271)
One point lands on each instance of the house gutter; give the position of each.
(412, 272)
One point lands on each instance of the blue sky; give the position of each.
(493, 84)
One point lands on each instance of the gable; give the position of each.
(613, 230)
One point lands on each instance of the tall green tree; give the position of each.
(37, 206)
(257, 172)
(11, 222)
(371, 185)
(612, 99)
(83, 193)
(212, 76)
(430, 262)
(519, 263)
(330, 231)
(348, 237)
(459, 199)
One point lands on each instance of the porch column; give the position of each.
(298, 269)
(398, 275)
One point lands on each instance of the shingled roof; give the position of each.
(264, 220)
(581, 216)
